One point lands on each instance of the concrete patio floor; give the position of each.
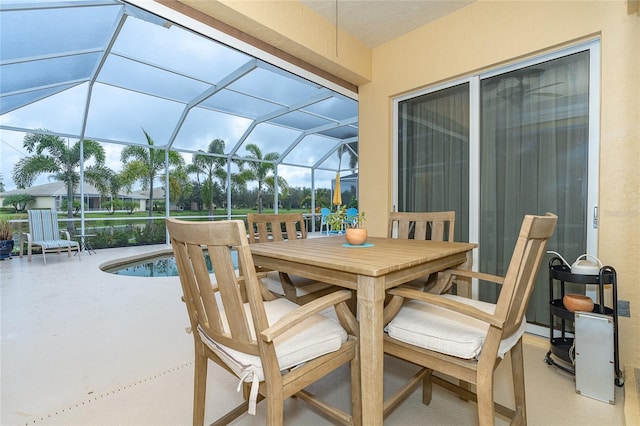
(81, 346)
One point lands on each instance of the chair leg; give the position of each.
(275, 407)
(427, 388)
(199, 387)
(356, 402)
(517, 371)
(484, 389)
(466, 386)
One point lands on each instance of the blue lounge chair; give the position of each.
(44, 232)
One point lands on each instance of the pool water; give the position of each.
(159, 266)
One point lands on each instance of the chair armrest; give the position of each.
(66, 234)
(438, 300)
(292, 318)
(472, 274)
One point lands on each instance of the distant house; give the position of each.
(158, 197)
(51, 196)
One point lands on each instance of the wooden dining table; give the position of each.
(370, 269)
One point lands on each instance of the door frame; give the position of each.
(593, 46)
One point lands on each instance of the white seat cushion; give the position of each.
(441, 330)
(310, 339)
(303, 285)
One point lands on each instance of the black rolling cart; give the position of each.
(559, 354)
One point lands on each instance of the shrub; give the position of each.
(112, 237)
(150, 234)
(130, 206)
(75, 206)
(5, 230)
(18, 201)
(112, 206)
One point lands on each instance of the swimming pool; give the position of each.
(158, 264)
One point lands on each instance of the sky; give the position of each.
(119, 107)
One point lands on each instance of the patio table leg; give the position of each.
(370, 304)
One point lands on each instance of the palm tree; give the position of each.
(179, 184)
(108, 185)
(145, 164)
(323, 197)
(283, 186)
(351, 148)
(259, 170)
(54, 156)
(211, 167)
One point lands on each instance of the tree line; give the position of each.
(202, 183)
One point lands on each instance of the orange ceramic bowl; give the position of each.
(577, 302)
(356, 236)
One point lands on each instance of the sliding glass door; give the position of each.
(433, 158)
(511, 142)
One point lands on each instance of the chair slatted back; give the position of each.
(324, 215)
(43, 225)
(275, 227)
(218, 307)
(436, 226)
(523, 269)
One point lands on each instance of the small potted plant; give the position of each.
(6, 239)
(336, 219)
(355, 233)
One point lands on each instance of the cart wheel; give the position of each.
(619, 382)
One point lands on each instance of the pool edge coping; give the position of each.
(121, 261)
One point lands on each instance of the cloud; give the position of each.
(150, 80)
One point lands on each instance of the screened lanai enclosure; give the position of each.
(111, 72)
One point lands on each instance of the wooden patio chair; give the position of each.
(435, 226)
(324, 213)
(44, 232)
(350, 215)
(466, 339)
(279, 227)
(275, 347)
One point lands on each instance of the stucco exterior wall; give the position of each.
(487, 34)
(43, 203)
